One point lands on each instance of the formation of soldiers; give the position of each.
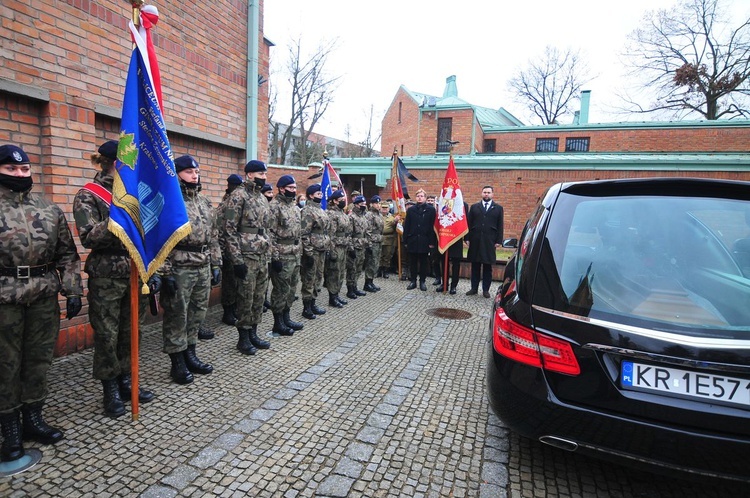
(255, 235)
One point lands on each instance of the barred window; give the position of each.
(547, 144)
(580, 144)
(489, 145)
(444, 132)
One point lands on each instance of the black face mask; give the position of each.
(316, 200)
(342, 204)
(259, 182)
(289, 194)
(191, 186)
(16, 183)
(363, 208)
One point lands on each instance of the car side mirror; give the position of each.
(510, 243)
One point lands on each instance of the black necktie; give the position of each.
(486, 206)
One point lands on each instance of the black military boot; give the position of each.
(126, 383)
(316, 309)
(257, 341)
(244, 345)
(384, 272)
(229, 318)
(266, 305)
(342, 301)
(179, 371)
(359, 292)
(194, 364)
(113, 406)
(350, 292)
(437, 281)
(12, 448)
(307, 312)
(332, 301)
(35, 428)
(279, 325)
(205, 333)
(370, 286)
(291, 323)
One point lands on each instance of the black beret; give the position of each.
(336, 195)
(374, 199)
(109, 149)
(12, 154)
(234, 179)
(315, 187)
(255, 166)
(185, 162)
(266, 188)
(285, 180)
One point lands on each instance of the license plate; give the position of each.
(707, 387)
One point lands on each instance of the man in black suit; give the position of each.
(484, 237)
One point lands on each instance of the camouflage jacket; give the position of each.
(315, 229)
(108, 257)
(340, 227)
(221, 221)
(247, 220)
(285, 227)
(360, 230)
(376, 225)
(389, 229)
(201, 246)
(34, 232)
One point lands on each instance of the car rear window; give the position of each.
(676, 260)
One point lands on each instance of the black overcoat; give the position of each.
(419, 228)
(485, 230)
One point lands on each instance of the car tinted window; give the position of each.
(675, 260)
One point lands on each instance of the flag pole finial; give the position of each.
(136, 4)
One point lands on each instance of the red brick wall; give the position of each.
(400, 133)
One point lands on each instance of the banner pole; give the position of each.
(445, 273)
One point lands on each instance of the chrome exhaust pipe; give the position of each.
(559, 442)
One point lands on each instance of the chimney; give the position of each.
(450, 87)
(585, 99)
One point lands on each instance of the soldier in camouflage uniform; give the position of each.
(372, 253)
(286, 251)
(193, 266)
(228, 281)
(315, 243)
(108, 269)
(390, 238)
(360, 241)
(38, 259)
(340, 231)
(247, 220)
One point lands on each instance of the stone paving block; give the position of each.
(181, 476)
(335, 486)
(208, 457)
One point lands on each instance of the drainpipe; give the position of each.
(251, 119)
(585, 99)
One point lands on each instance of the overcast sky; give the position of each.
(419, 43)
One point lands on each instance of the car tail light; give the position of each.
(524, 345)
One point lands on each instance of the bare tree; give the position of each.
(312, 92)
(551, 83)
(692, 60)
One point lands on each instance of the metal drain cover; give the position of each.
(449, 313)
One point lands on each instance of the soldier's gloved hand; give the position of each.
(73, 307)
(169, 286)
(240, 271)
(368, 251)
(353, 254)
(330, 255)
(215, 276)
(276, 265)
(154, 284)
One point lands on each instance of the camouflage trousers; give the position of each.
(251, 292)
(311, 274)
(228, 283)
(335, 269)
(186, 309)
(354, 265)
(386, 254)
(109, 314)
(284, 283)
(27, 342)
(372, 260)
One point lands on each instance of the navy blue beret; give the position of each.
(12, 154)
(234, 179)
(255, 166)
(109, 149)
(185, 162)
(285, 180)
(315, 187)
(358, 199)
(336, 195)
(374, 199)
(266, 188)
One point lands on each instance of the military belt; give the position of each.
(24, 272)
(318, 231)
(192, 248)
(341, 233)
(287, 242)
(111, 252)
(258, 231)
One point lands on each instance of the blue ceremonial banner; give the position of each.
(325, 185)
(147, 212)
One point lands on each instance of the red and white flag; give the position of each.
(450, 223)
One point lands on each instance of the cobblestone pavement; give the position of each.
(378, 399)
